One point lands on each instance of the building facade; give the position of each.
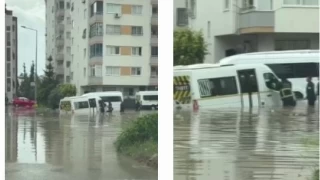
(11, 62)
(240, 26)
(104, 45)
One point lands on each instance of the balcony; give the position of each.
(93, 80)
(256, 22)
(154, 40)
(96, 40)
(96, 60)
(97, 17)
(154, 19)
(154, 60)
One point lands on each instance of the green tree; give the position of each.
(54, 98)
(67, 90)
(189, 47)
(24, 88)
(47, 84)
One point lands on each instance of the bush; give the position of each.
(144, 129)
(54, 98)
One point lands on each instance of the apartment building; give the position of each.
(11, 62)
(240, 26)
(105, 45)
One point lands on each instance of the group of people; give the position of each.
(287, 95)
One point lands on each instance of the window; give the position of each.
(154, 10)
(95, 71)
(136, 30)
(13, 55)
(154, 71)
(295, 70)
(226, 4)
(96, 29)
(68, 35)
(96, 50)
(113, 50)
(8, 84)
(112, 71)
(291, 45)
(182, 16)
(113, 8)
(193, 8)
(154, 31)
(8, 39)
(84, 34)
(8, 54)
(13, 28)
(136, 9)
(85, 13)
(111, 98)
(154, 51)
(247, 4)
(8, 69)
(150, 97)
(113, 29)
(137, 51)
(301, 2)
(96, 8)
(81, 105)
(68, 64)
(68, 5)
(8, 28)
(61, 5)
(217, 87)
(136, 71)
(84, 52)
(72, 6)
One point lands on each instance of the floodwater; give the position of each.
(46, 146)
(233, 144)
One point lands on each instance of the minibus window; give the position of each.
(111, 98)
(81, 105)
(150, 97)
(217, 86)
(271, 81)
(295, 70)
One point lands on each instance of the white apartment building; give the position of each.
(239, 26)
(106, 45)
(11, 62)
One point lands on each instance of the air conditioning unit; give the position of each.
(117, 15)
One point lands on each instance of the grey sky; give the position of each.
(30, 13)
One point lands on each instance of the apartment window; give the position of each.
(69, 50)
(13, 28)
(84, 72)
(281, 45)
(72, 8)
(96, 50)
(113, 8)
(136, 30)
(84, 52)
(136, 51)
(96, 71)
(61, 5)
(13, 55)
(8, 39)
(96, 8)
(247, 4)
(68, 35)
(301, 2)
(68, 20)
(217, 87)
(136, 71)
(154, 71)
(113, 50)
(96, 29)
(8, 69)
(8, 84)
(85, 13)
(154, 51)
(112, 71)
(136, 9)
(182, 16)
(68, 5)
(226, 4)
(113, 29)
(8, 28)
(8, 54)
(68, 64)
(84, 34)
(154, 10)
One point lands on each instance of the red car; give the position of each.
(23, 102)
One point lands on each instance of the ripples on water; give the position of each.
(46, 146)
(230, 144)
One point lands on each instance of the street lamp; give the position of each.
(36, 62)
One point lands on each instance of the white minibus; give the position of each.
(295, 65)
(74, 105)
(115, 97)
(148, 99)
(212, 85)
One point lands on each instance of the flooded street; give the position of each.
(46, 146)
(230, 144)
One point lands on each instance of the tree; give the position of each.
(189, 47)
(54, 98)
(67, 90)
(47, 84)
(31, 80)
(24, 88)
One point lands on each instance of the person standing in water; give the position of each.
(310, 91)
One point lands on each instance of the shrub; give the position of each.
(140, 131)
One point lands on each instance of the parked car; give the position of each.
(23, 102)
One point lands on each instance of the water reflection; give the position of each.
(67, 147)
(234, 144)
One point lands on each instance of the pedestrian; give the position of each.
(110, 108)
(286, 93)
(310, 91)
(102, 106)
(138, 105)
(122, 107)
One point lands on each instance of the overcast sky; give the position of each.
(30, 13)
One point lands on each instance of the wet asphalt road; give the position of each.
(231, 144)
(46, 146)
